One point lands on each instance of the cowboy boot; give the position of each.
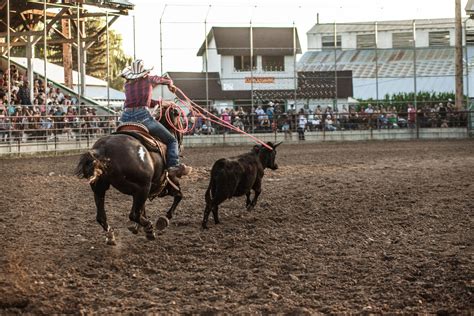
(179, 170)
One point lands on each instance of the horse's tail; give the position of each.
(90, 166)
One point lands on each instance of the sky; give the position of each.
(185, 23)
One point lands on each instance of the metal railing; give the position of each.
(18, 131)
(335, 121)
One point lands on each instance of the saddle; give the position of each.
(140, 132)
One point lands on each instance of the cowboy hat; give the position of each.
(135, 70)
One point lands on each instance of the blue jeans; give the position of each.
(157, 130)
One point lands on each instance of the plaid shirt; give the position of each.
(138, 92)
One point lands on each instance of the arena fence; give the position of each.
(23, 134)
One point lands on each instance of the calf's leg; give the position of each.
(215, 214)
(212, 204)
(247, 202)
(208, 208)
(205, 218)
(258, 189)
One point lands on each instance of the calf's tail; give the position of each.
(90, 166)
(208, 195)
(210, 192)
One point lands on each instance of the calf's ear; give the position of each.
(277, 144)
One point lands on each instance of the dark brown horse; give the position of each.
(124, 162)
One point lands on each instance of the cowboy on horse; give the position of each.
(138, 89)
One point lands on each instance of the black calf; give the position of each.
(237, 176)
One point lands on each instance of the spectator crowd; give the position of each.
(272, 118)
(46, 114)
(50, 112)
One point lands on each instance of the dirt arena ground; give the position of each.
(340, 227)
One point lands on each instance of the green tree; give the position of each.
(118, 61)
(96, 65)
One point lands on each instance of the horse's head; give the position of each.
(174, 116)
(171, 119)
(167, 114)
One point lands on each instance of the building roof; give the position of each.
(56, 73)
(17, 7)
(100, 93)
(469, 7)
(396, 25)
(391, 63)
(269, 41)
(95, 87)
(118, 4)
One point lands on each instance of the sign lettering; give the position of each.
(259, 79)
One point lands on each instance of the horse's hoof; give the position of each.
(111, 242)
(134, 228)
(110, 238)
(162, 223)
(151, 236)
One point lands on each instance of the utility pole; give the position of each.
(67, 53)
(458, 56)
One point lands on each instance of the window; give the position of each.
(440, 38)
(328, 42)
(242, 63)
(470, 36)
(402, 40)
(273, 63)
(366, 41)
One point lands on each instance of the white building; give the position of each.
(244, 66)
(239, 53)
(386, 57)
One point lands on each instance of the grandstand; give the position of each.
(29, 25)
(396, 69)
(95, 92)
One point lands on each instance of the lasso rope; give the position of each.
(198, 111)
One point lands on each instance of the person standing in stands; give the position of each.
(24, 94)
(138, 89)
(225, 116)
(301, 125)
(411, 116)
(286, 127)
